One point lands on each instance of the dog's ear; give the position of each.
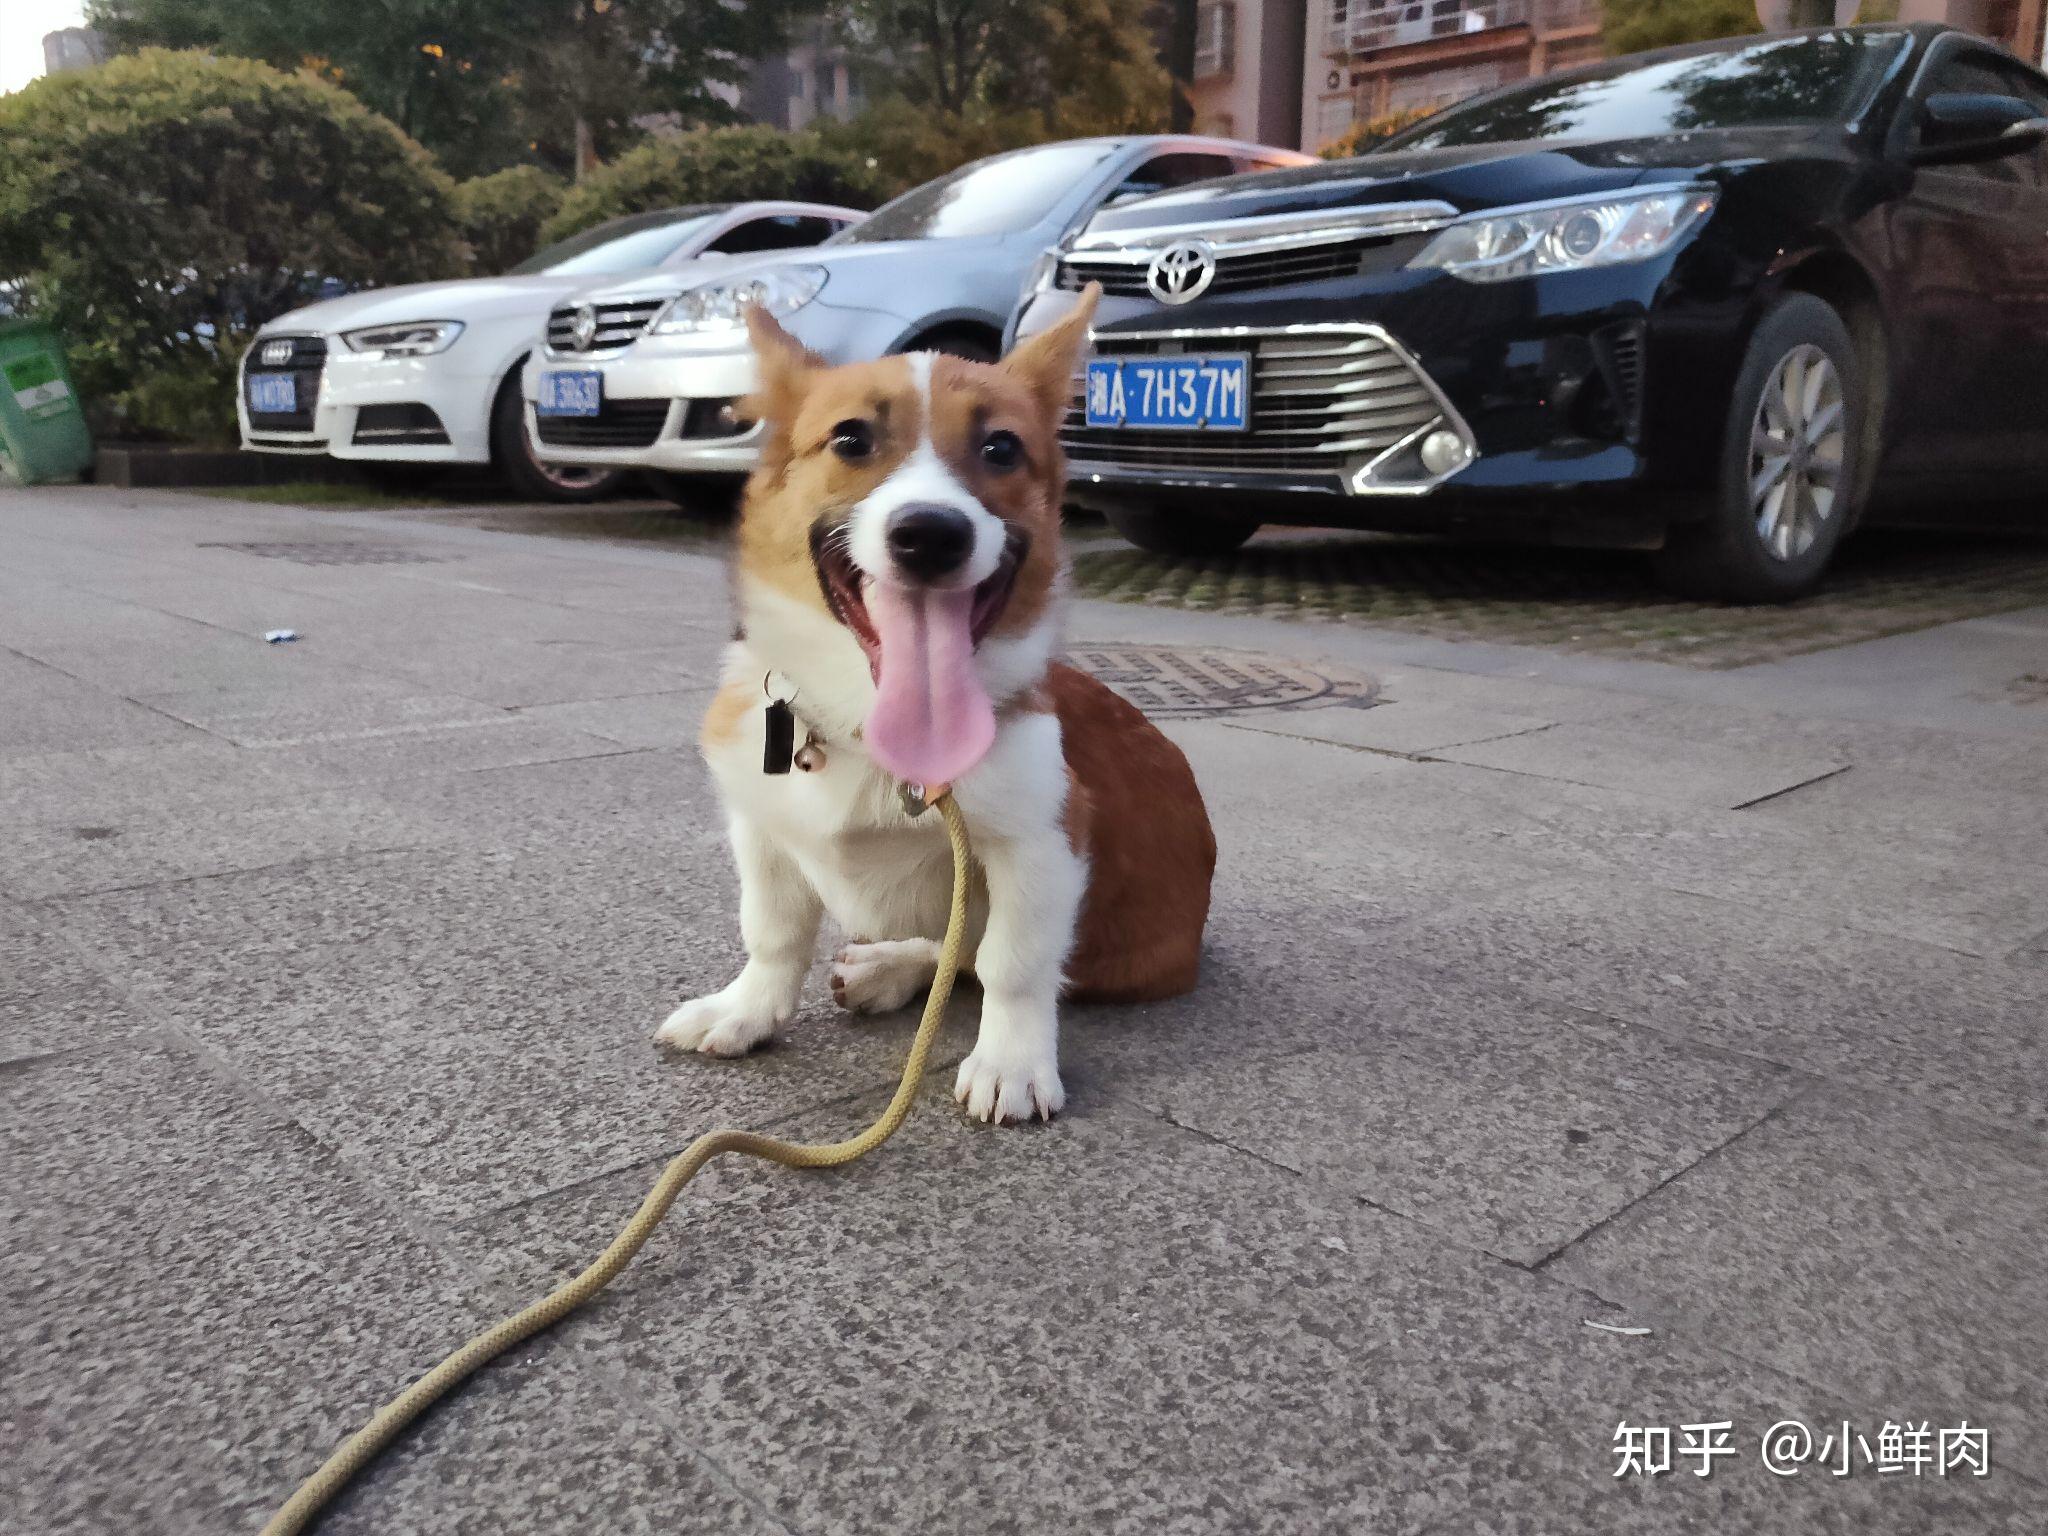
(782, 367)
(1045, 364)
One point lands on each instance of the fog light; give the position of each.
(1443, 452)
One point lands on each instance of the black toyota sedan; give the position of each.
(1704, 300)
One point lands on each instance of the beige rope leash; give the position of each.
(364, 1446)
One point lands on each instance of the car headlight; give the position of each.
(721, 306)
(1566, 237)
(1043, 270)
(421, 338)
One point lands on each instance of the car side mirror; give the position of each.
(1960, 126)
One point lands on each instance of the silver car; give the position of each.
(644, 374)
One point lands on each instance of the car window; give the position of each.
(1981, 74)
(779, 232)
(1780, 80)
(1162, 173)
(997, 196)
(1251, 165)
(630, 244)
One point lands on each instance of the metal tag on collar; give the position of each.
(917, 798)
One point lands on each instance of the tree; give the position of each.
(162, 207)
(485, 83)
(1630, 26)
(501, 215)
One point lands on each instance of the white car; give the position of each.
(428, 374)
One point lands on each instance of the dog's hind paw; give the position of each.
(718, 1025)
(1008, 1092)
(880, 978)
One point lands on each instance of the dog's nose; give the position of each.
(928, 541)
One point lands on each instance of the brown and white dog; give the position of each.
(899, 576)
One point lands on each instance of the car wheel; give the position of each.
(512, 456)
(1173, 530)
(716, 494)
(968, 344)
(1788, 483)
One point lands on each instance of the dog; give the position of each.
(898, 576)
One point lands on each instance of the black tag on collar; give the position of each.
(781, 737)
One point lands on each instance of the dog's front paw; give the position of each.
(1003, 1089)
(718, 1025)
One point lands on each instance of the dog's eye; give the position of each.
(1002, 450)
(853, 440)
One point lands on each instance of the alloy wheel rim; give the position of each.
(1796, 445)
(568, 477)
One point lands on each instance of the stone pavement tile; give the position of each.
(44, 859)
(103, 786)
(1949, 759)
(1112, 1325)
(51, 1001)
(1399, 726)
(202, 1304)
(505, 742)
(1984, 907)
(1862, 1243)
(474, 1029)
(1507, 693)
(283, 708)
(641, 720)
(1960, 1033)
(511, 672)
(1889, 807)
(1602, 756)
(1512, 1125)
(44, 710)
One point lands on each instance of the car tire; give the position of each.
(1175, 530)
(1788, 481)
(512, 456)
(705, 493)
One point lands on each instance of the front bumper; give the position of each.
(372, 409)
(662, 412)
(1557, 386)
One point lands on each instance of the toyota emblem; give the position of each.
(276, 352)
(583, 329)
(1181, 273)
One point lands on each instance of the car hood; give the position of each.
(849, 262)
(471, 299)
(1470, 178)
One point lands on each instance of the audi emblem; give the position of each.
(276, 353)
(1181, 273)
(583, 328)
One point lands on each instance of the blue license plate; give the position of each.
(571, 394)
(273, 394)
(1200, 394)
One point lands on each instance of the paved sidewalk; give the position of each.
(1545, 991)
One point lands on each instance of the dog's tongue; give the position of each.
(932, 719)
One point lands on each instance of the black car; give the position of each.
(1703, 300)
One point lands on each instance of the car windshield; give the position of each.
(990, 197)
(631, 244)
(1813, 79)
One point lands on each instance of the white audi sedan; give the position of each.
(428, 374)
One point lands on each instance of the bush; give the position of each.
(715, 165)
(1372, 131)
(158, 209)
(501, 215)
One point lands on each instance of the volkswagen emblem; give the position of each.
(1181, 272)
(583, 329)
(276, 353)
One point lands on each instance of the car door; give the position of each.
(1970, 242)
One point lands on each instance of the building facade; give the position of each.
(1301, 73)
(72, 48)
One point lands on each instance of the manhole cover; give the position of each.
(334, 552)
(1173, 681)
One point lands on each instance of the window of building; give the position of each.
(1215, 38)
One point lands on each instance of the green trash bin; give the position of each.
(43, 437)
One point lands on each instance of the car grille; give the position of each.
(618, 424)
(1322, 401)
(618, 325)
(1246, 273)
(308, 358)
